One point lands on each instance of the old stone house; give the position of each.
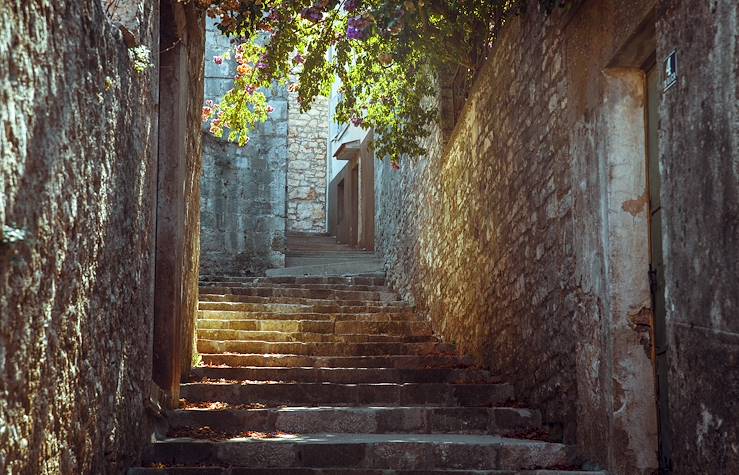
(574, 229)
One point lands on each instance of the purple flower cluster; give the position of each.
(352, 5)
(358, 28)
(357, 122)
(263, 62)
(314, 14)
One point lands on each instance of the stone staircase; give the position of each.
(334, 375)
(320, 254)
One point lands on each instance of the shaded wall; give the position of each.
(78, 151)
(699, 150)
(243, 196)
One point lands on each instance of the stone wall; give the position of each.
(525, 237)
(78, 149)
(478, 233)
(699, 148)
(306, 169)
(243, 188)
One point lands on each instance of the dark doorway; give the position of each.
(656, 264)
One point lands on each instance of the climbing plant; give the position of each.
(383, 52)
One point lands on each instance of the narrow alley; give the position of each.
(369, 237)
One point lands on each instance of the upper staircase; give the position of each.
(335, 375)
(320, 254)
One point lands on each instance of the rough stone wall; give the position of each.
(243, 213)
(699, 149)
(77, 163)
(515, 239)
(478, 234)
(306, 168)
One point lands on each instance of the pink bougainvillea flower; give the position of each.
(207, 111)
(218, 59)
(270, 109)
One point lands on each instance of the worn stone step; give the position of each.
(339, 471)
(362, 279)
(306, 337)
(321, 348)
(348, 327)
(321, 294)
(226, 305)
(298, 300)
(344, 375)
(365, 420)
(376, 451)
(364, 265)
(311, 394)
(287, 286)
(231, 314)
(312, 361)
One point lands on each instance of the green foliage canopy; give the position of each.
(383, 52)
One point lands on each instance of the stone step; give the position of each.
(209, 302)
(328, 270)
(374, 451)
(312, 361)
(233, 314)
(272, 285)
(340, 471)
(321, 348)
(306, 337)
(320, 326)
(330, 258)
(276, 300)
(344, 375)
(361, 279)
(365, 420)
(313, 394)
(293, 293)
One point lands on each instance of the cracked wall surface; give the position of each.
(699, 157)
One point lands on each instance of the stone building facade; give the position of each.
(525, 234)
(253, 195)
(79, 139)
(243, 188)
(306, 169)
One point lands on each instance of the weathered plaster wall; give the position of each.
(306, 168)
(616, 398)
(243, 201)
(699, 149)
